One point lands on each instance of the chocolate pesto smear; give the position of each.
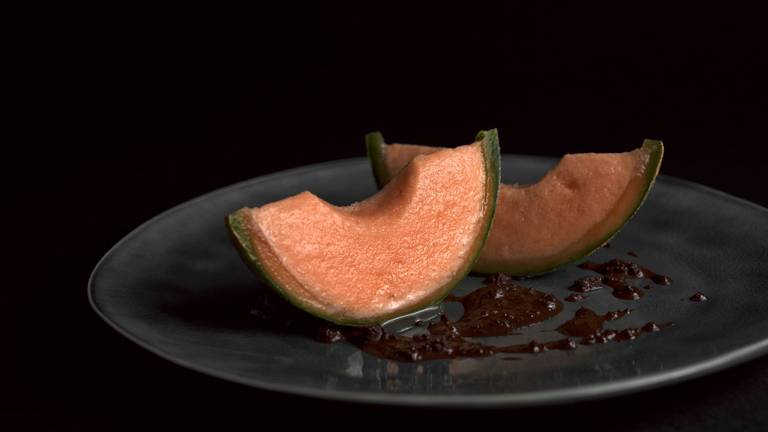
(499, 308)
(627, 334)
(445, 341)
(588, 325)
(586, 322)
(617, 274)
(502, 306)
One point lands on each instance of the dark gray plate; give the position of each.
(177, 287)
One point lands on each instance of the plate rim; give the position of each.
(511, 399)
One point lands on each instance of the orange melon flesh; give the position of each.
(398, 156)
(585, 197)
(394, 252)
(576, 208)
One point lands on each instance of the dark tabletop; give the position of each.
(267, 90)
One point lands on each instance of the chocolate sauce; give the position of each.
(587, 284)
(616, 274)
(566, 344)
(698, 297)
(589, 326)
(614, 266)
(631, 253)
(651, 327)
(586, 322)
(627, 334)
(499, 308)
(656, 278)
(444, 341)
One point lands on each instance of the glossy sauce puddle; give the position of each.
(501, 307)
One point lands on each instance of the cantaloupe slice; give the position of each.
(576, 208)
(398, 251)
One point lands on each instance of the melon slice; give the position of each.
(577, 207)
(395, 252)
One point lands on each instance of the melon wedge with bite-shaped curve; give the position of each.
(396, 252)
(577, 207)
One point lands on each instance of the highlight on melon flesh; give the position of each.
(577, 207)
(396, 252)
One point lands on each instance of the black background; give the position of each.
(137, 111)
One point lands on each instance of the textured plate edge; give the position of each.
(473, 401)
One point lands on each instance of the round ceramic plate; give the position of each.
(177, 287)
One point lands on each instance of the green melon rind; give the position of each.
(375, 146)
(240, 233)
(655, 150)
(492, 154)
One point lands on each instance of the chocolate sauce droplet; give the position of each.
(575, 297)
(651, 327)
(658, 279)
(628, 293)
(698, 297)
(616, 275)
(587, 284)
(627, 334)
